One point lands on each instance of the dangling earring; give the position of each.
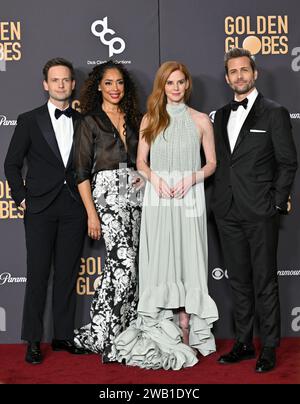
(99, 89)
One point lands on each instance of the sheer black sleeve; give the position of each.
(83, 150)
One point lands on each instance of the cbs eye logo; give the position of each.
(111, 42)
(218, 274)
(212, 116)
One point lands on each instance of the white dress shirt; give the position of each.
(238, 117)
(63, 129)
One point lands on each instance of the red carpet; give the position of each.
(63, 368)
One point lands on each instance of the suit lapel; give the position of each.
(249, 121)
(226, 114)
(75, 119)
(44, 122)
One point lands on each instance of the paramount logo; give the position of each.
(6, 277)
(6, 122)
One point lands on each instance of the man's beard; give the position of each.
(243, 90)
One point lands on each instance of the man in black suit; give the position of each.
(54, 217)
(256, 165)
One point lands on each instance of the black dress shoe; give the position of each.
(66, 345)
(33, 353)
(266, 360)
(238, 353)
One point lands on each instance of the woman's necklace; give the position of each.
(115, 122)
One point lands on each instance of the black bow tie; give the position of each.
(235, 104)
(67, 112)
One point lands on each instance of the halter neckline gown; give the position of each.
(173, 259)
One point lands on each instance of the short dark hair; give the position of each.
(238, 53)
(58, 62)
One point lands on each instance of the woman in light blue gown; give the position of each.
(175, 311)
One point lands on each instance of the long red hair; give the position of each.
(158, 118)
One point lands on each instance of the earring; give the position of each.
(99, 89)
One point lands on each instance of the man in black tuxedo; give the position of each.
(256, 165)
(54, 216)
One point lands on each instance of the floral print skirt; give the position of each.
(114, 303)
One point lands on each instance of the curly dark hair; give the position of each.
(91, 98)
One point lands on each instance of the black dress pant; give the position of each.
(54, 235)
(250, 254)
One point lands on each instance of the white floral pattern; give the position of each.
(114, 304)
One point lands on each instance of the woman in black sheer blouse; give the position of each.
(105, 155)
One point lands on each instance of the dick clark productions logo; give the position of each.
(108, 31)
